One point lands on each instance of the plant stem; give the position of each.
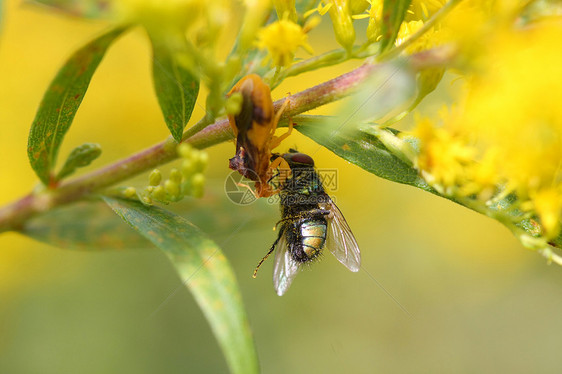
(14, 215)
(326, 59)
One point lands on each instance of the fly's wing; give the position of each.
(285, 269)
(340, 240)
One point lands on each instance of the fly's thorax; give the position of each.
(294, 203)
(303, 180)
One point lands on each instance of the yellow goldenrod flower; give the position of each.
(358, 6)
(419, 11)
(547, 204)
(423, 9)
(513, 105)
(282, 38)
(507, 137)
(431, 38)
(481, 179)
(340, 12)
(443, 156)
(407, 29)
(375, 15)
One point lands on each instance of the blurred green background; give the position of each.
(442, 289)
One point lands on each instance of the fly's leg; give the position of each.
(282, 173)
(268, 253)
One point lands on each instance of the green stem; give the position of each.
(551, 256)
(326, 59)
(14, 215)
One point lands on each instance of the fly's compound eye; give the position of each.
(299, 158)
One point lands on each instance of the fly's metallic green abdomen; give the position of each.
(306, 238)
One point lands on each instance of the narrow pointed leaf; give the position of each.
(87, 226)
(393, 13)
(205, 271)
(60, 104)
(175, 86)
(364, 150)
(80, 156)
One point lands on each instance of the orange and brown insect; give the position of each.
(254, 127)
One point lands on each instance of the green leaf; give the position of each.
(393, 13)
(81, 8)
(86, 225)
(206, 272)
(60, 104)
(364, 150)
(80, 156)
(175, 86)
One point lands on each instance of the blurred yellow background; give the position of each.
(442, 288)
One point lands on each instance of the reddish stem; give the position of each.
(14, 215)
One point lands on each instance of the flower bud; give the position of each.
(233, 104)
(342, 23)
(198, 180)
(197, 185)
(201, 160)
(172, 188)
(428, 80)
(187, 167)
(375, 16)
(358, 6)
(159, 193)
(155, 177)
(184, 150)
(129, 192)
(146, 200)
(175, 176)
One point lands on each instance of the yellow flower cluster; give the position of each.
(281, 39)
(419, 11)
(444, 156)
(508, 134)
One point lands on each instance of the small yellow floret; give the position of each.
(548, 204)
(282, 38)
(443, 155)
